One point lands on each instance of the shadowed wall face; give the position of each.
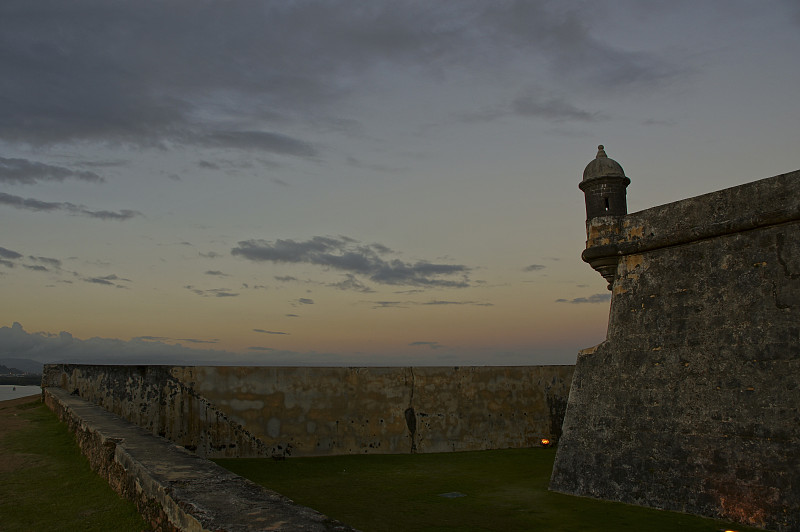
(691, 404)
(280, 411)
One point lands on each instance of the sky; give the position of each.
(356, 183)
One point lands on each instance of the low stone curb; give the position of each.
(174, 489)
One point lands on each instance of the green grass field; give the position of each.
(503, 490)
(46, 483)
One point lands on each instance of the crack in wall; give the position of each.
(410, 415)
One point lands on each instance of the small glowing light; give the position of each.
(545, 442)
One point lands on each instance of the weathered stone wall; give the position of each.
(302, 411)
(174, 489)
(693, 401)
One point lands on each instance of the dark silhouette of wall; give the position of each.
(692, 402)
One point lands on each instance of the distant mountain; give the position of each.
(23, 365)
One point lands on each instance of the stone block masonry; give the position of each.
(174, 489)
(693, 401)
(304, 411)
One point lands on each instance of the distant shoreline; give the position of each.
(30, 379)
(10, 392)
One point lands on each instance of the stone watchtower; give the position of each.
(604, 186)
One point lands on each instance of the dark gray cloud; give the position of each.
(28, 172)
(108, 280)
(351, 283)
(53, 263)
(258, 140)
(389, 304)
(197, 341)
(432, 303)
(213, 292)
(46, 347)
(46, 206)
(223, 74)
(551, 108)
(216, 273)
(9, 254)
(305, 301)
(269, 332)
(472, 303)
(595, 298)
(347, 254)
(535, 103)
(63, 347)
(533, 268)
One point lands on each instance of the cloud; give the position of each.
(595, 298)
(216, 273)
(475, 303)
(434, 302)
(550, 108)
(107, 280)
(258, 140)
(268, 332)
(347, 254)
(63, 347)
(46, 347)
(533, 268)
(535, 103)
(389, 304)
(9, 254)
(305, 301)
(36, 205)
(28, 172)
(196, 341)
(351, 282)
(228, 75)
(53, 263)
(213, 292)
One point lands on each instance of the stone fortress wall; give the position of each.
(307, 411)
(693, 401)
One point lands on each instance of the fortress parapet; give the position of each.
(693, 401)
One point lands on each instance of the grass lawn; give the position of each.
(502, 490)
(46, 483)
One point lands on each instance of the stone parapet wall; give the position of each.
(173, 489)
(302, 411)
(693, 401)
(154, 398)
